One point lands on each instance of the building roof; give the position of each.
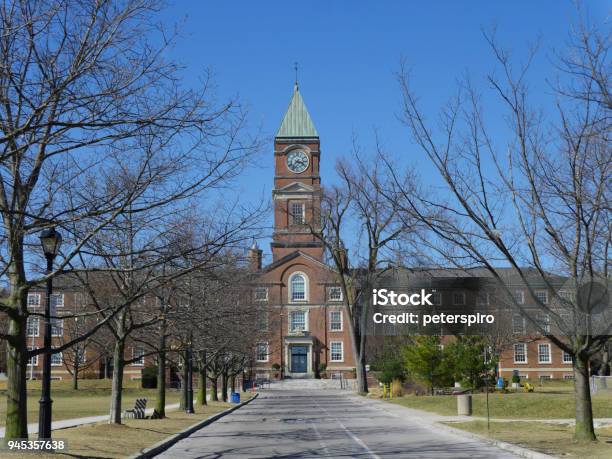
(297, 121)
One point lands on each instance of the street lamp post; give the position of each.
(50, 241)
(189, 406)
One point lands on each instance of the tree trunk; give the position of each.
(117, 384)
(604, 368)
(224, 386)
(362, 377)
(75, 375)
(584, 409)
(16, 390)
(213, 389)
(233, 383)
(160, 403)
(201, 396)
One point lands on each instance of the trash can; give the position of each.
(464, 404)
(235, 397)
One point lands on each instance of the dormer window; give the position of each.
(298, 213)
(298, 287)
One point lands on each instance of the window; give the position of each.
(297, 213)
(566, 295)
(336, 351)
(32, 326)
(335, 321)
(518, 324)
(56, 359)
(458, 298)
(568, 377)
(34, 299)
(261, 294)
(297, 321)
(519, 296)
(567, 357)
(520, 353)
(542, 296)
(335, 294)
(32, 361)
(436, 298)
(80, 355)
(57, 300)
(543, 321)
(483, 299)
(138, 356)
(543, 353)
(546, 377)
(57, 327)
(263, 320)
(262, 352)
(298, 287)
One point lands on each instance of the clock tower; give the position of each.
(297, 184)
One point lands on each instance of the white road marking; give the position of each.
(321, 442)
(355, 438)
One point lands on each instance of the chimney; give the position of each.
(254, 256)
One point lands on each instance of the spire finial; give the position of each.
(295, 67)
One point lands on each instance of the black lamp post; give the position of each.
(51, 241)
(189, 362)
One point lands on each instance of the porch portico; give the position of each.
(297, 353)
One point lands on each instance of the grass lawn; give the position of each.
(117, 441)
(92, 398)
(545, 438)
(550, 401)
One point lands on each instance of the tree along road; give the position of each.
(324, 423)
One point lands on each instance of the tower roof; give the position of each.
(297, 121)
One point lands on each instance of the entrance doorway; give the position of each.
(299, 356)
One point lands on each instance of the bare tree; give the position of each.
(538, 202)
(359, 202)
(87, 100)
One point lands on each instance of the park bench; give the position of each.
(443, 391)
(138, 412)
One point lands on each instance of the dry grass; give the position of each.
(118, 441)
(553, 400)
(546, 438)
(92, 398)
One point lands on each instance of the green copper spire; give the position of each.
(297, 121)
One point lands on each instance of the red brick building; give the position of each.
(305, 328)
(94, 361)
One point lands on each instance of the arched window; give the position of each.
(298, 287)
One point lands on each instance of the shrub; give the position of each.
(88, 374)
(275, 366)
(149, 377)
(516, 379)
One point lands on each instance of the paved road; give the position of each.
(310, 423)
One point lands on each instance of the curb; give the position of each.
(166, 443)
(518, 450)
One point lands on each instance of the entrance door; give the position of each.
(299, 354)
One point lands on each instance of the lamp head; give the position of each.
(51, 241)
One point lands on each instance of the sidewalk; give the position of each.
(64, 424)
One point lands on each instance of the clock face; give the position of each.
(297, 161)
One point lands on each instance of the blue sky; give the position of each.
(348, 52)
